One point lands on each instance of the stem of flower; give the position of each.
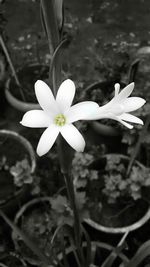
(52, 32)
(54, 39)
(50, 23)
(77, 225)
(9, 61)
(5, 50)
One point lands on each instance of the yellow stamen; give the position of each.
(60, 120)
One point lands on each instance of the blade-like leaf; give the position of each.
(141, 254)
(116, 251)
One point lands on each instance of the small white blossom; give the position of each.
(120, 106)
(57, 115)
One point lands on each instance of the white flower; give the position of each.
(57, 116)
(120, 106)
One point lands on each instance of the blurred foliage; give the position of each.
(118, 185)
(113, 182)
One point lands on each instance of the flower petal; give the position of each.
(117, 88)
(45, 98)
(133, 103)
(126, 124)
(35, 119)
(65, 94)
(73, 137)
(130, 118)
(116, 118)
(47, 139)
(125, 92)
(81, 111)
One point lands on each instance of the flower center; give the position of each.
(60, 120)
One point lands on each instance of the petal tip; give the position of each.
(38, 82)
(69, 81)
(21, 122)
(40, 154)
(131, 127)
(117, 85)
(81, 149)
(133, 83)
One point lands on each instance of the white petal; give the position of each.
(65, 95)
(73, 137)
(133, 103)
(126, 124)
(81, 111)
(47, 139)
(125, 92)
(117, 118)
(35, 119)
(117, 88)
(130, 118)
(45, 98)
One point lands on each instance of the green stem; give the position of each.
(2, 43)
(9, 61)
(52, 32)
(54, 40)
(77, 224)
(50, 22)
(71, 195)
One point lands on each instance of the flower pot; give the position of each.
(100, 251)
(114, 201)
(35, 220)
(14, 149)
(24, 98)
(12, 259)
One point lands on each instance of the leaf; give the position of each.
(59, 203)
(80, 199)
(141, 254)
(147, 182)
(58, 4)
(93, 175)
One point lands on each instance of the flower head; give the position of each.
(57, 115)
(120, 106)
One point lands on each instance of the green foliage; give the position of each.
(131, 137)
(118, 185)
(21, 173)
(61, 211)
(2, 22)
(81, 172)
(114, 184)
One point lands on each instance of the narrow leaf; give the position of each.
(141, 254)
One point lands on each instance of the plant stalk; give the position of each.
(52, 32)
(50, 21)
(2, 43)
(9, 61)
(54, 40)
